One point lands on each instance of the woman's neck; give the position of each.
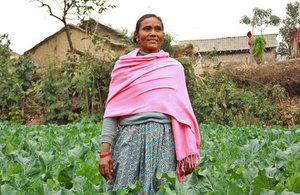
(142, 53)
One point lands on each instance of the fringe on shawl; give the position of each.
(180, 166)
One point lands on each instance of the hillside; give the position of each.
(286, 73)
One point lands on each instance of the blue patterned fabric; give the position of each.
(139, 151)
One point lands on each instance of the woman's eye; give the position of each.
(158, 28)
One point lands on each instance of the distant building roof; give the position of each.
(227, 43)
(102, 26)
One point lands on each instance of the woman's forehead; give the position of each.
(151, 20)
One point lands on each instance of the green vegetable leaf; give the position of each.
(8, 149)
(263, 182)
(293, 183)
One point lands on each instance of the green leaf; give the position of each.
(198, 184)
(235, 189)
(136, 187)
(165, 189)
(83, 186)
(21, 181)
(65, 179)
(122, 191)
(7, 149)
(11, 171)
(269, 192)
(170, 176)
(7, 189)
(248, 175)
(78, 152)
(263, 182)
(47, 157)
(239, 170)
(282, 158)
(42, 163)
(293, 183)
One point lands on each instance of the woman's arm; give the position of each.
(109, 131)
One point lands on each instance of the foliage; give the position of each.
(211, 55)
(259, 48)
(283, 50)
(244, 160)
(261, 19)
(217, 98)
(166, 44)
(50, 159)
(5, 51)
(15, 78)
(52, 93)
(74, 89)
(62, 159)
(289, 23)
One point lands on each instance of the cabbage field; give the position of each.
(63, 159)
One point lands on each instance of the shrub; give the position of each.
(259, 48)
(217, 98)
(15, 76)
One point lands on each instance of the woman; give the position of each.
(251, 60)
(250, 41)
(148, 101)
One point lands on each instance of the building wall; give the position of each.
(241, 58)
(55, 49)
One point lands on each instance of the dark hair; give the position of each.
(138, 23)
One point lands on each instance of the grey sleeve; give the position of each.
(109, 129)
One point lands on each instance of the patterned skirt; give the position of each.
(139, 151)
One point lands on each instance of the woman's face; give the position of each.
(150, 35)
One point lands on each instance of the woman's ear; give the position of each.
(136, 37)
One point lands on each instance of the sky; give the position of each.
(27, 24)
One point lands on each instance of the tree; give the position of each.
(289, 23)
(5, 51)
(166, 44)
(68, 9)
(261, 19)
(15, 78)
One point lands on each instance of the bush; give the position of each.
(73, 89)
(259, 48)
(15, 78)
(217, 98)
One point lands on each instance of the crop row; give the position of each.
(63, 159)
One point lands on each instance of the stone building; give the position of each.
(229, 50)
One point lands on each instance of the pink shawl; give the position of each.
(156, 83)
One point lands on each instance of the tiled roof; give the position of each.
(227, 43)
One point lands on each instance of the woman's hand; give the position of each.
(189, 165)
(106, 163)
(106, 166)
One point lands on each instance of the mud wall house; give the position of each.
(229, 50)
(14, 56)
(54, 48)
(92, 26)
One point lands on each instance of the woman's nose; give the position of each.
(153, 32)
